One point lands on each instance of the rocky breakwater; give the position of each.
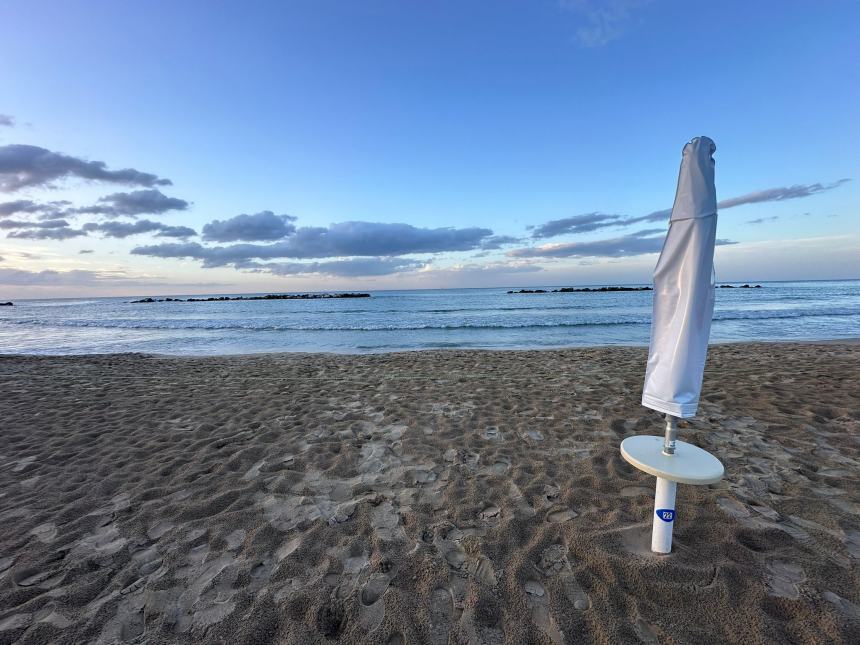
(583, 290)
(271, 296)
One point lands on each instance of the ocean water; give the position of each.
(413, 320)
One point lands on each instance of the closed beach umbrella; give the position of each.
(684, 289)
(681, 322)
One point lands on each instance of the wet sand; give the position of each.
(429, 497)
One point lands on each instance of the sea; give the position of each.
(393, 321)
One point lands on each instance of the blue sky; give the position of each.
(405, 144)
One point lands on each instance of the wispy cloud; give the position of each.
(50, 210)
(645, 241)
(48, 223)
(780, 194)
(264, 226)
(498, 241)
(138, 202)
(762, 220)
(87, 278)
(126, 229)
(7, 121)
(638, 243)
(605, 20)
(588, 222)
(351, 268)
(584, 223)
(50, 233)
(25, 166)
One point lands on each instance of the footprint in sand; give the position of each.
(784, 579)
(441, 612)
(287, 548)
(372, 611)
(158, 529)
(48, 614)
(490, 512)
(6, 562)
(482, 570)
(559, 514)
(521, 506)
(45, 532)
(234, 539)
(386, 522)
(21, 464)
(20, 621)
(500, 467)
(31, 577)
(554, 563)
(254, 471)
(645, 631)
(492, 433)
(538, 602)
(733, 507)
(845, 606)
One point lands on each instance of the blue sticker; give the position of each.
(666, 514)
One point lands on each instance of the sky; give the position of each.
(198, 147)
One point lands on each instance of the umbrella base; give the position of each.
(688, 465)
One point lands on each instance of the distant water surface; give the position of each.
(411, 320)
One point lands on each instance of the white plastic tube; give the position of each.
(664, 516)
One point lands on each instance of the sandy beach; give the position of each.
(426, 497)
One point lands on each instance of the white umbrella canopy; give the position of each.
(684, 289)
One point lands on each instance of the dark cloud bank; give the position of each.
(345, 239)
(25, 166)
(125, 229)
(138, 202)
(260, 227)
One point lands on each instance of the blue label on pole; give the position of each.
(666, 514)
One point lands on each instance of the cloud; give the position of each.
(137, 202)
(491, 268)
(23, 166)
(264, 226)
(20, 206)
(639, 243)
(762, 220)
(633, 244)
(50, 223)
(780, 194)
(7, 121)
(498, 241)
(606, 20)
(50, 233)
(125, 229)
(588, 222)
(347, 239)
(85, 251)
(577, 224)
(85, 277)
(354, 267)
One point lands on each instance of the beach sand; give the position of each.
(429, 497)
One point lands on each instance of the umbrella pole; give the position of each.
(664, 496)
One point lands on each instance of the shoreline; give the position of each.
(828, 341)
